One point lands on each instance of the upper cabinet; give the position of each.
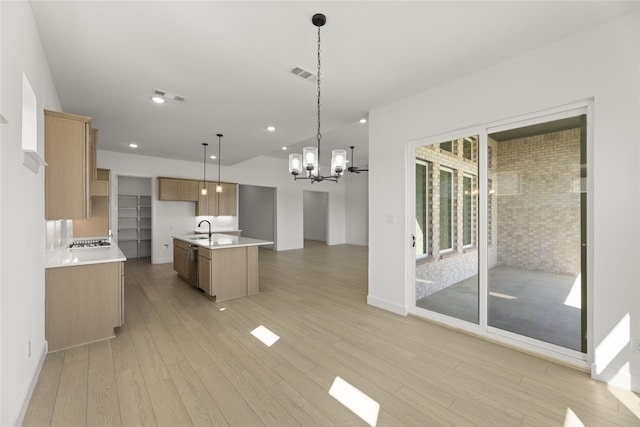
(177, 189)
(68, 174)
(99, 180)
(210, 204)
(218, 204)
(227, 200)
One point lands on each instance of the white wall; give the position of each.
(315, 208)
(170, 217)
(602, 63)
(357, 205)
(21, 212)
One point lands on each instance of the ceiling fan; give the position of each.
(355, 169)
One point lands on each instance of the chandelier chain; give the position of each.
(319, 135)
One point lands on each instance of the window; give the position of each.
(446, 210)
(422, 209)
(447, 146)
(469, 148)
(467, 211)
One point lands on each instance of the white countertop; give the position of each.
(65, 257)
(221, 241)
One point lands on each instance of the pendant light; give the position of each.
(310, 158)
(219, 187)
(204, 171)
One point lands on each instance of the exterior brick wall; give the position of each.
(538, 194)
(533, 208)
(439, 271)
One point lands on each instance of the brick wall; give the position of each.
(539, 202)
(438, 271)
(533, 208)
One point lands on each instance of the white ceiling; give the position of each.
(231, 62)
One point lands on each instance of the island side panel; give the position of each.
(253, 285)
(229, 273)
(82, 304)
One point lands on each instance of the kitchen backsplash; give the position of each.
(218, 223)
(59, 233)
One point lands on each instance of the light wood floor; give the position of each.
(184, 360)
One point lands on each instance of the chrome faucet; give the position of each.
(204, 220)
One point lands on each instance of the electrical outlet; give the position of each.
(165, 246)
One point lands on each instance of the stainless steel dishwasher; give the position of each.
(193, 265)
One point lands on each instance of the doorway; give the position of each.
(134, 216)
(499, 231)
(257, 213)
(315, 215)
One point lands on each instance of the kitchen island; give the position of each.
(223, 266)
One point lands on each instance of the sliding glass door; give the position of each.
(535, 270)
(528, 223)
(446, 263)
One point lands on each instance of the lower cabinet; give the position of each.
(204, 272)
(83, 303)
(228, 273)
(181, 258)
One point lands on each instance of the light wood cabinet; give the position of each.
(99, 179)
(175, 189)
(68, 174)
(227, 200)
(97, 224)
(218, 204)
(189, 190)
(83, 303)
(204, 273)
(228, 273)
(181, 258)
(168, 189)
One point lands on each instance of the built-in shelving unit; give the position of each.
(134, 225)
(134, 216)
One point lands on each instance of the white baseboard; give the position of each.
(386, 305)
(32, 386)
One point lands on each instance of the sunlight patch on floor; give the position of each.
(572, 420)
(627, 398)
(499, 295)
(355, 400)
(267, 337)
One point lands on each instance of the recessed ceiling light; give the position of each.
(271, 128)
(133, 145)
(284, 148)
(157, 99)
(363, 120)
(212, 157)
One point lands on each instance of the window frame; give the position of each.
(425, 163)
(450, 249)
(471, 212)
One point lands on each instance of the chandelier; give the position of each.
(309, 160)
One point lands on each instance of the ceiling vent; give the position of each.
(168, 95)
(305, 74)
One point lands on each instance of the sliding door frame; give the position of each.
(571, 357)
